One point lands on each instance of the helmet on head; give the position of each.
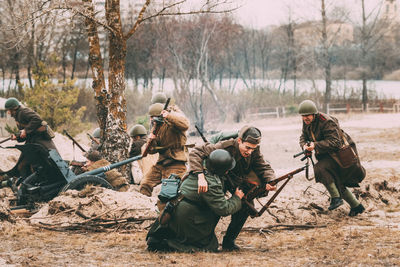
(307, 107)
(155, 109)
(11, 103)
(136, 130)
(220, 161)
(159, 97)
(96, 133)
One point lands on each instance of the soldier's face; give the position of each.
(12, 112)
(246, 148)
(308, 118)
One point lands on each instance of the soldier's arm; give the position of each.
(331, 141)
(216, 201)
(262, 167)
(34, 121)
(178, 120)
(198, 154)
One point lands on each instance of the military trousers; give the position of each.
(158, 172)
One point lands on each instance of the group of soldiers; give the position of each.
(212, 169)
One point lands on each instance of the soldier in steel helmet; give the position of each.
(95, 144)
(322, 134)
(193, 221)
(169, 143)
(32, 128)
(250, 166)
(138, 134)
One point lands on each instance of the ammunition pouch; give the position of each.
(46, 130)
(169, 188)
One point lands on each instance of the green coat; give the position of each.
(196, 216)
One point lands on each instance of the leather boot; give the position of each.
(335, 203)
(229, 245)
(357, 210)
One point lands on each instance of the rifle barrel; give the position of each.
(5, 140)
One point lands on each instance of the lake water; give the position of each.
(378, 88)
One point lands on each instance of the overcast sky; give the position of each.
(261, 13)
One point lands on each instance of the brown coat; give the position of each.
(113, 176)
(29, 120)
(244, 166)
(171, 139)
(327, 141)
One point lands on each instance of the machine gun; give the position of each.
(260, 191)
(155, 129)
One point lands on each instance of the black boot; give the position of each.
(357, 210)
(335, 203)
(229, 245)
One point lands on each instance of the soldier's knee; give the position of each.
(145, 190)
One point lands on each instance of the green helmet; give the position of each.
(159, 97)
(96, 133)
(307, 107)
(220, 161)
(155, 109)
(11, 103)
(136, 130)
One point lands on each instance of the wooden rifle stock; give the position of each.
(93, 139)
(155, 129)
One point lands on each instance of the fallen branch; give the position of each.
(267, 229)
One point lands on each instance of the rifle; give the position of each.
(201, 134)
(260, 190)
(74, 142)
(155, 129)
(93, 139)
(307, 155)
(5, 140)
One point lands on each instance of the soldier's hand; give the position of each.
(152, 136)
(309, 147)
(13, 137)
(239, 193)
(269, 187)
(202, 183)
(22, 134)
(165, 113)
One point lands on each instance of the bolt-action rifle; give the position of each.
(201, 134)
(5, 140)
(155, 129)
(259, 191)
(74, 142)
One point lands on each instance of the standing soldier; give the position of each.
(250, 166)
(321, 133)
(169, 143)
(32, 128)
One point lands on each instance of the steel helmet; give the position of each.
(137, 129)
(307, 107)
(96, 133)
(159, 97)
(220, 161)
(11, 103)
(155, 109)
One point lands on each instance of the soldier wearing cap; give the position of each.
(322, 134)
(250, 165)
(169, 143)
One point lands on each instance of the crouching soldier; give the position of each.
(193, 221)
(115, 178)
(321, 133)
(138, 135)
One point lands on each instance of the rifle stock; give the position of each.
(155, 129)
(93, 139)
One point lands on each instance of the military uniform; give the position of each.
(136, 147)
(193, 222)
(32, 123)
(113, 176)
(327, 140)
(170, 144)
(252, 167)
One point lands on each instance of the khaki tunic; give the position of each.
(245, 167)
(29, 120)
(328, 140)
(192, 226)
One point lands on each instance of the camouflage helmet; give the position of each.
(220, 161)
(137, 129)
(155, 109)
(307, 107)
(159, 97)
(11, 103)
(96, 133)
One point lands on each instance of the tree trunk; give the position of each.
(326, 58)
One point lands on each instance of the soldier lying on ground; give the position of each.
(192, 224)
(250, 165)
(115, 178)
(321, 133)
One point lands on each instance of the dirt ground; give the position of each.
(297, 230)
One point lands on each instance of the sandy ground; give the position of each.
(332, 238)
